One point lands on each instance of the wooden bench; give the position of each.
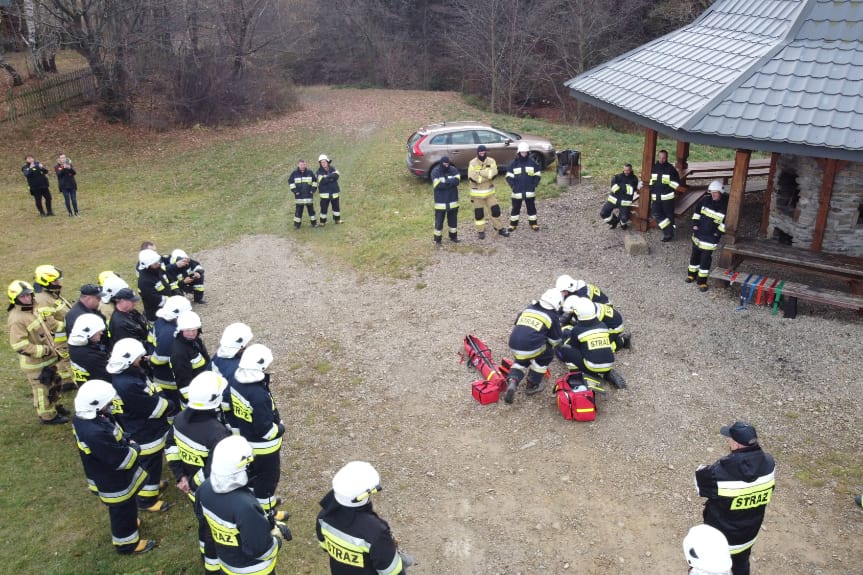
(688, 196)
(755, 289)
(846, 268)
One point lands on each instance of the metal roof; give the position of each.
(774, 75)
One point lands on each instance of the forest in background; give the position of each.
(223, 61)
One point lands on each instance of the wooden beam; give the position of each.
(735, 200)
(648, 156)
(681, 158)
(828, 177)
(768, 195)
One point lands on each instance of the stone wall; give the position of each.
(795, 200)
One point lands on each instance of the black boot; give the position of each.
(512, 380)
(613, 222)
(453, 237)
(535, 383)
(616, 379)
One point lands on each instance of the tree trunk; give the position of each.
(4, 65)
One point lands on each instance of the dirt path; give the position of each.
(368, 369)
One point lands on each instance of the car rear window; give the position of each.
(440, 140)
(413, 139)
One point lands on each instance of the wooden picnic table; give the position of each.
(722, 170)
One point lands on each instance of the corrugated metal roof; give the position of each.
(786, 75)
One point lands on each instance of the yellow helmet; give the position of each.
(104, 276)
(18, 288)
(47, 274)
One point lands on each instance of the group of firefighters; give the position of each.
(148, 391)
(303, 183)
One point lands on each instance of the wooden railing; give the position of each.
(49, 96)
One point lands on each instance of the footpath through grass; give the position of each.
(199, 189)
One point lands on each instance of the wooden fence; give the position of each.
(50, 96)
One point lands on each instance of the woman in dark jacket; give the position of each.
(66, 180)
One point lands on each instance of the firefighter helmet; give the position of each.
(231, 456)
(146, 258)
(257, 357)
(178, 255)
(323, 158)
(236, 336)
(565, 283)
(585, 310)
(706, 549)
(523, 147)
(124, 354)
(173, 307)
(188, 320)
(112, 285)
(45, 275)
(85, 327)
(92, 397)
(551, 299)
(354, 483)
(18, 288)
(205, 391)
(715, 186)
(105, 275)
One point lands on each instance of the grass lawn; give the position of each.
(197, 189)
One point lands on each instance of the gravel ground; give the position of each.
(368, 368)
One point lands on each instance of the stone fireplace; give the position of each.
(795, 200)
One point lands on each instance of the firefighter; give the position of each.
(234, 340)
(189, 355)
(162, 340)
(186, 275)
(708, 227)
(111, 464)
(246, 540)
(355, 537)
(523, 175)
(48, 302)
(143, 413)
(481, 173)
(706, 551)
(572, 287)
(532, 342)
(253, 414)
(588, 348)
(738, 488)
(88, 351)
(38, 183)
(192, 438)
(664, 181)
(32, 338)
(153, 283)
(303, 184)
(621, 197)
(610, 317)
(110, 283)
(88, 302)
(445, 179)
(328, 189)
(126, 321)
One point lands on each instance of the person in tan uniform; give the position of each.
(31, 336)
(481, 173)
(49, 303)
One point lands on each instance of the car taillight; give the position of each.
(416, 148)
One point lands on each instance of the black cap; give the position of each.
(91, 289)
(741, 432)
(127, 293)
(444, 160)
(481, 148)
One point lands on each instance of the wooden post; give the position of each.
(648, 156)
(735, 201)
(828, 168)
(681, 161)
(768, 196)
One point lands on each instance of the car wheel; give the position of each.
(431, 169)
(538, 158)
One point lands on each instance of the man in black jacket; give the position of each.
(126, 321)
(623, 187)
(445, 179)
(523, 176)
(35, 172)
(87, 303)
(664, 181)
(738, 488)
(708, 226)
(153, 283)
(303, 184)
(348, 529)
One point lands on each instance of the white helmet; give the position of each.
(86, 326)
(355, 482)
(323, 157)
(230, 458)
(715, 186)
(146, 258)
(565, 282)
(124, 354)
(523, 147)
(255, 360)
(235, 337)
(111, 286)
(92, 397)
(205, 391)
(706, 550)
(177, 255)
(551, 299)
(585, 309)
(173, 307)
(188, 320)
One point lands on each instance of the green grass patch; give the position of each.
(841, 471)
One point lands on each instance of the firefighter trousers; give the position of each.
(149, 493)
(450, 212)
(45, 397)
(663, 213)
(699, 263)
(530, 205)
(326, 202)
(264, 478)
(124, 526)
(298, 212)
(481, 206)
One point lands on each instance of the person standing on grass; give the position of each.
(481, 173)
(738, 488)
(303, 184)
(328, 189)
(38, 183)
(445, 179)
(66, 181)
